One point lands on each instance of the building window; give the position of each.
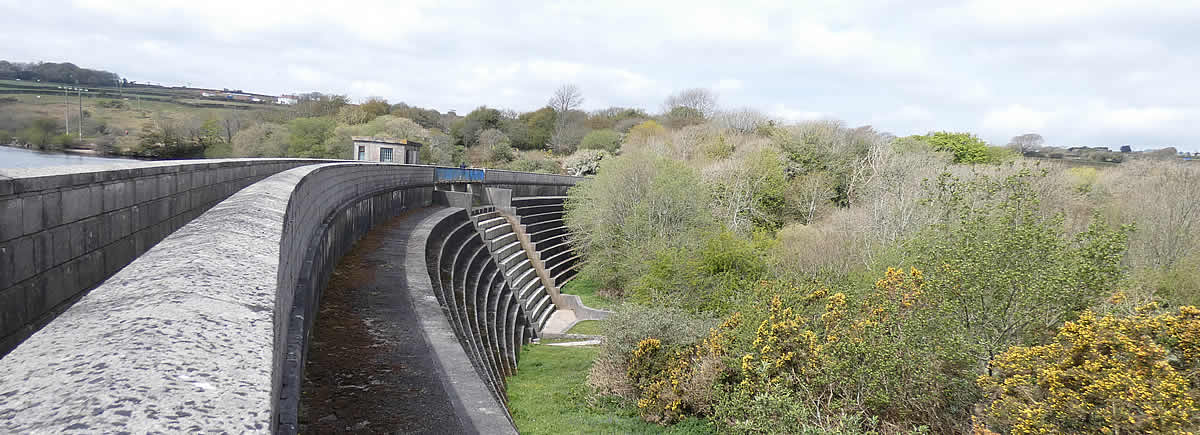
(410, 157)
(362, 152)
(385, 154)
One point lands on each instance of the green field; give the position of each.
(19, 110)
(587, 327)
(586, 289)
(548, 396)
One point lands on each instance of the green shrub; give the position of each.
(782, 412)
(645, 131)
(625, 330)
(1001, 269)
(539, 165)
(606, 140)
(704, 279)
(5, 137)
(41, 134)
(501, 153)
(965, 147)
(637, 206)
(64, 140)
(307, 136)
(718, 149)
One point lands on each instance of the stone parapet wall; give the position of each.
(65, 229)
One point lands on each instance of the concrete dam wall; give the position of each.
(208, 329)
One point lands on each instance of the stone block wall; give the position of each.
(64, 230)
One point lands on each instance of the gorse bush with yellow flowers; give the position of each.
(1102, 374)
(858, 362)
(879, 356)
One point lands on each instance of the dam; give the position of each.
(182, 295)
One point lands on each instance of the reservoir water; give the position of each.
(22, 158)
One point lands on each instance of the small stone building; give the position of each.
(387, 150)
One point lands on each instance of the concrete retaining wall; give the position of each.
(63, 230)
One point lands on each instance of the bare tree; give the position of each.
(566, 98)
(703, 101)
(231, 123)
(1027, 142)
(743, 120)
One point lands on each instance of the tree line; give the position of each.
(65, 72)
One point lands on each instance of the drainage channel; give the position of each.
(369, 368)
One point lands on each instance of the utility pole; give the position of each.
(66, 109)
(81, 112)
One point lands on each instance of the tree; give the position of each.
(164, 138)
(565, 99)
(645, 131)
(1027, 142)
(744, 120)
(466, 130)
(427, 118)
(607, 140)
(1163, 154)
(41, 133)
(314, 104)
(700, 100)
(638, 204)
(498, 145)
(566, 140)
(354, 115)
(680, 117)
(748, 194)
(376, 106)
(264, 139)
(307, 136)
(965, 146)
(536, 129)
(1001, 269)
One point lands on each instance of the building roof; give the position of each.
(384, 140)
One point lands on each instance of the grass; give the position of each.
(586, 288)
(548, 396)
(586, 327)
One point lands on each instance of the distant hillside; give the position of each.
(65, 72)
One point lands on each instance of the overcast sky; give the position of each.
(1079, 72)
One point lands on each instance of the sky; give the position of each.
(1078, 72)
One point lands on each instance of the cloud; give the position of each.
(728, 85)
(1016, 117)
(1076, 71)
(790, 114)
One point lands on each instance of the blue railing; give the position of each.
(457, 175)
